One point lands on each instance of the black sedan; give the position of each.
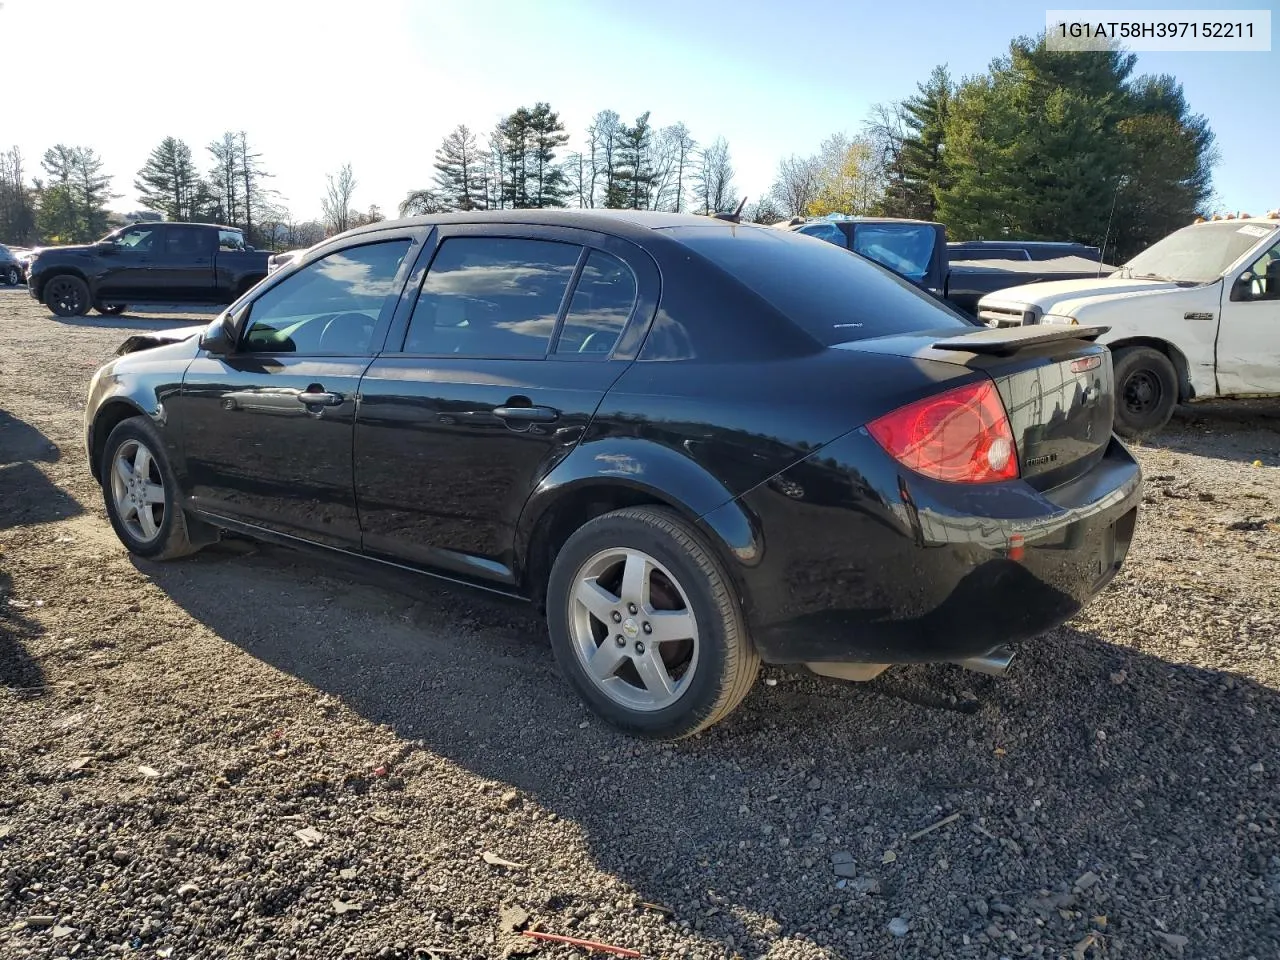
(696, 445)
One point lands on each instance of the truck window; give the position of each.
(230, 240)
(825, 231)
(181, 241)
(1264, 285)
(141, 239)
(907, 250)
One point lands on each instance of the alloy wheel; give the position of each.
(633, 629)
(65, 297)
(138, 490)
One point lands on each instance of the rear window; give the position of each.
(834, 295)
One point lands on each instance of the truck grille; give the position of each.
(1005, 317)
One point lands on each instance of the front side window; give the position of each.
(602, 302)
(330, 306)
(1265, 284)
(230, 240)
(141, 239)
(904, 250)
(491, 297)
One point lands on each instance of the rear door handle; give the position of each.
(527, 414)
(319, 397)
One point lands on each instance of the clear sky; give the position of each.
(377, 83)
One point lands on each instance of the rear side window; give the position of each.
(830, 293)
(602, 302)
(230, 240)
(825, 231)
(903, 249)
(491, 297)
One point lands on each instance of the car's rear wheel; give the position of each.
(110, 309)
(141, 493)
(11, 276)
(67, 296)
(1146, 391)
(646, 625)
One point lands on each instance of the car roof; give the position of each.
(624, 223)
(791, 225)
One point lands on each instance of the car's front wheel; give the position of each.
(646, 625)
(1146, 391)
(67, 296)
(141, 493)
(12, 277)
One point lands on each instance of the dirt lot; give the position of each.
(241, 755)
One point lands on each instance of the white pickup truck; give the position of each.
(1193, 317)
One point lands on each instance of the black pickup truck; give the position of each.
(961, 274)
(158, 262)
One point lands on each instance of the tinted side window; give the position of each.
(826, 231)
(331, 306)
(490, 297)
(141, 239)
(601, 304)
(230, 240)
(187, 241)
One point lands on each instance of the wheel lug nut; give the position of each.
(631, 608)
(639, 646)
(648, 627)
(617, 617)
(620, 640)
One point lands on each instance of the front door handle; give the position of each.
(316, 397)
(527, 414)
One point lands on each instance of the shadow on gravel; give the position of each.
(1236, 430)
(21, 441)
(125, 322)
(20, 675)
(1088, 757)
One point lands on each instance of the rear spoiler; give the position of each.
(1003, 341)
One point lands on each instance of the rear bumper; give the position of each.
(855, 560)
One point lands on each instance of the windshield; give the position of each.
(905, 250)
(1196, 254)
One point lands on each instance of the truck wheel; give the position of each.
(646, 626)
(1146, 391)
(110, 309)
(67, 296)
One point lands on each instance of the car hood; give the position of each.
(1050, 296)
(158, 338)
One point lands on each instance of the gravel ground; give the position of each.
(246, 755)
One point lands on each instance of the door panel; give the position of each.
(130, 266)
(440, 477)
(1248, 354)
(257, 450)
(186, 270)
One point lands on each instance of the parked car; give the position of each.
(1021, 250)
(918, 251)
(149, 262)
(694, 444)
(1193, 317)
(12, 271)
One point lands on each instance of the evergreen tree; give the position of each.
(73, 208)
(921, 162)
(168, 181)
(548, 185)
(458, 171)
(635, 162)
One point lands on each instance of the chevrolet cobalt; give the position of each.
(695, 444)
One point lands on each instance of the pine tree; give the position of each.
(635, 174)
(458, 171)
(923, 171)
(73, 208)
(168, 181)
(547, 136)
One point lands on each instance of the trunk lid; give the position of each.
(1056, 384)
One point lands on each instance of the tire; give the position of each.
(708, 662)
(165, 536)
(110, 309)
(12, 277)
(1146, 391)
(66, 295)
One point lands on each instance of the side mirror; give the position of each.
(219, 337)
(105, 246)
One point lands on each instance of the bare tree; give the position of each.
(337, 200)
(887, 131)
(419, 202)
(797, 185)
(713, 178)
(605, 136)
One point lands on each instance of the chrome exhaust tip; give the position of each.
(995, 663)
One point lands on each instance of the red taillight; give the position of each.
(962, 436)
